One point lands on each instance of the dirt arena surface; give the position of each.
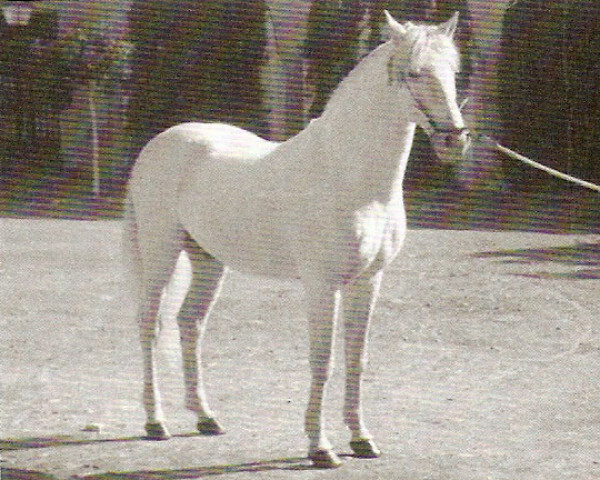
(484, 364)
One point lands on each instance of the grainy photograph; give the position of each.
(346, 239)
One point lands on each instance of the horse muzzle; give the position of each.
(452, 143)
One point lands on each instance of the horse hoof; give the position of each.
(325, 459)
(209, 426)
(365, 448)
(156, 431)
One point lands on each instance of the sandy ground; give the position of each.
(484, 364)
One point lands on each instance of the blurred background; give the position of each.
(85, 84)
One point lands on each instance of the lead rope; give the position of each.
(487, 139)
(517, 156)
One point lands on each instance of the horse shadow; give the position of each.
(57, 441)
(8, 473)
(281, 464)
(583, 260)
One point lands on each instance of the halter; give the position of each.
(436, 127)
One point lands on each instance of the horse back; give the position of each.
(209, 179)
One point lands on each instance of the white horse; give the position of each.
(325, 207)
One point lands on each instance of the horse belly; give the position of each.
(243, 233)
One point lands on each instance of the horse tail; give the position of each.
(130, 248)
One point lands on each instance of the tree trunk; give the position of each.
(95, 142)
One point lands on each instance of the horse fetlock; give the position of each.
(320, 449)
(193, 403)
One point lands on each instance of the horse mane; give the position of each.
(426, 46)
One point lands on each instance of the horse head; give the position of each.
(424, 64)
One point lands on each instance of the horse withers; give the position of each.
(325, 207)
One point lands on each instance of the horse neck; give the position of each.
(367, 126)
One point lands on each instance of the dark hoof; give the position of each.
(325, 459)
(156, 431)
(365, 448)
(210, 426)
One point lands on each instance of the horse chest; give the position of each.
(380, 230)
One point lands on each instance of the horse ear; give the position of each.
(396, 29)
(449, 28)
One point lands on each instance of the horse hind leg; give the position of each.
(207, 277)
(155, 260)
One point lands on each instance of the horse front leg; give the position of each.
(322, 313)
(207, 276)
(359, 301)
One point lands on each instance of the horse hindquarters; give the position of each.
(155, 239)
(154, 249)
